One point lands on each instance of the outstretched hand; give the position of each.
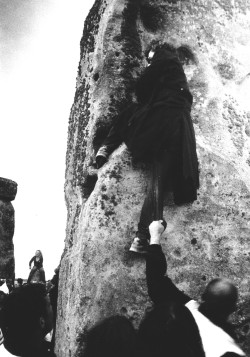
(100, 161)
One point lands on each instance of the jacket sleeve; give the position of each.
(160, 286)
(31, 260)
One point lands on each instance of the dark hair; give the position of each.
(112, 337)
(158, 47)
(40, 254)
(21, 314)
(169, 330)
(20, 281)
(186, 55)
(183, 52)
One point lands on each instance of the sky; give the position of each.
(39, 56)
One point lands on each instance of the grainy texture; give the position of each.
(98, 276)
(8, 191)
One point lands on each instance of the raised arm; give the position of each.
(31, 260)
(160, 286)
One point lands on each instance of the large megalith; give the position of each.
(98, 277)
(8, 189)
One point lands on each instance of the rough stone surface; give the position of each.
(8, 191)
(98, 276)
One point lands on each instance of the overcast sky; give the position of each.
(39, 55)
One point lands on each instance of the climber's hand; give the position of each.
(156, 229)
(100, 161)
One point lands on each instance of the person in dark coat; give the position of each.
(37, 261)
(158, 129)
(211, 315)
(26, 319)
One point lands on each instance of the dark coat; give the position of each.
(37, 261)
(161, 121)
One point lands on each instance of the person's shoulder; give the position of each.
(231, 354)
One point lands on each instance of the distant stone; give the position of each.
(8, 189)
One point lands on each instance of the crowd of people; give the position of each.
(157, 129)
(175, 326)
(28, 313)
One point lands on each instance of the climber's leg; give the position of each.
(152, 208)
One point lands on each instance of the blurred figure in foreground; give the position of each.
(112, 337)
(27, 317)
(211, 315)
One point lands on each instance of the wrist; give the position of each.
(155, 239)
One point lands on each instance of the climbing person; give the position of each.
(158, 130)
(37, 272)
(211, 315)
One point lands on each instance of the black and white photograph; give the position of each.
(125, 178)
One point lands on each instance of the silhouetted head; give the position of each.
(159, 50)
(219, 298)
(112, 337)
(169, 330)
(20, 282)
(26, 318)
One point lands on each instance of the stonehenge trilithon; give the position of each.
(207, 239)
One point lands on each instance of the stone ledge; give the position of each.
(8, 189)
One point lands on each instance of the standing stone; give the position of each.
(210, 238)
(8, 191)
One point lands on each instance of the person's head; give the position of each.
(157, 50)
(19, 282)
(38, 253)
(186, 55)
(169, 330)
(219, 299)
(56, 270)
(26, 318)
(112, 337)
